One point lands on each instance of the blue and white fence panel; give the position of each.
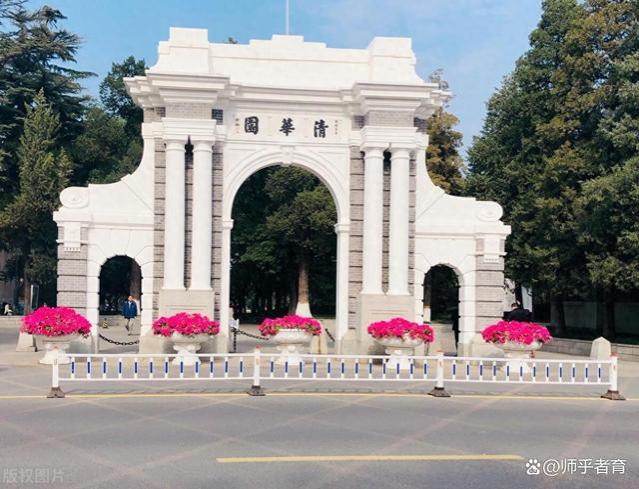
(258, 367)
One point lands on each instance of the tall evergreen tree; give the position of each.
(35, 55)
(116, 99)
(26, 225)
(443, 160)
(545, 136)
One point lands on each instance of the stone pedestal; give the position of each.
(173, 301)
(26, 342)
(600, 349)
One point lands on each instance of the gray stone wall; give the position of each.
(72, 275)
(411, 225)
(489, 289)
(188, 216)
(386, 220)
(420, 124)
(391, 118)
(152, 115)
(189, 111)
(356, 240)
(216, 253)
(158, 231)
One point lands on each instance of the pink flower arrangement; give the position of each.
(398, 327)
(55, 321)
(517, 332)
(270, 327)
(186, 325)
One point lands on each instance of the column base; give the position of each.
(379, 307)
(173, 301)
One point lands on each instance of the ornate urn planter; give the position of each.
(292, 343)
(188, 332)
(57, 327)
(518, 340)
(400, 337)
(187, 348)
(517, 353)
(399, 350)
(292, 334)
(57, 346)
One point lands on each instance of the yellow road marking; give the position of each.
(369, 458)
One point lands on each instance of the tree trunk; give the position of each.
(561, 316)
(609, 319)
(303, 305)
(293, 296)
(27, 292)
(135, 281)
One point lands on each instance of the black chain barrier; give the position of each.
(237, 331)
(119, 343)
(329, 335)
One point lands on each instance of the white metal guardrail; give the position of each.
(258, 366)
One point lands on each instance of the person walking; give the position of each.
(129, 311)
(518, 313)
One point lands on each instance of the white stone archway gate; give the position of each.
(353, 117)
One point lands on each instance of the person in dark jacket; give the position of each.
(518, 313)
(129, 311)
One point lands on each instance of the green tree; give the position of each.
(26, 225)
(35, 55)
(443, 161)
(282, 235)
(545, 136)
(104, 152)
(116, 99)
(609, 231)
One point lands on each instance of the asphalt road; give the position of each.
(348, 441)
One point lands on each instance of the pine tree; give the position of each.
(563, 119)
(443, 161)
(26, 223)
(35, 55)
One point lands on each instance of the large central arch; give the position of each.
(328, 173)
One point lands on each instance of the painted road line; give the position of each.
(371, 458)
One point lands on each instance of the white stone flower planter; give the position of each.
(291, 342)
(399, 350)
(517, 353)
(187, 348)
(57, 345)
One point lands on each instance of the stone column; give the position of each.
(399, 220)
(373, 220)
(202, 215)
(174, 216)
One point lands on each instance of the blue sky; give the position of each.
(475, 42)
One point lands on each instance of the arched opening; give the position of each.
(441, 305)
(283, 247)
(120, 278)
